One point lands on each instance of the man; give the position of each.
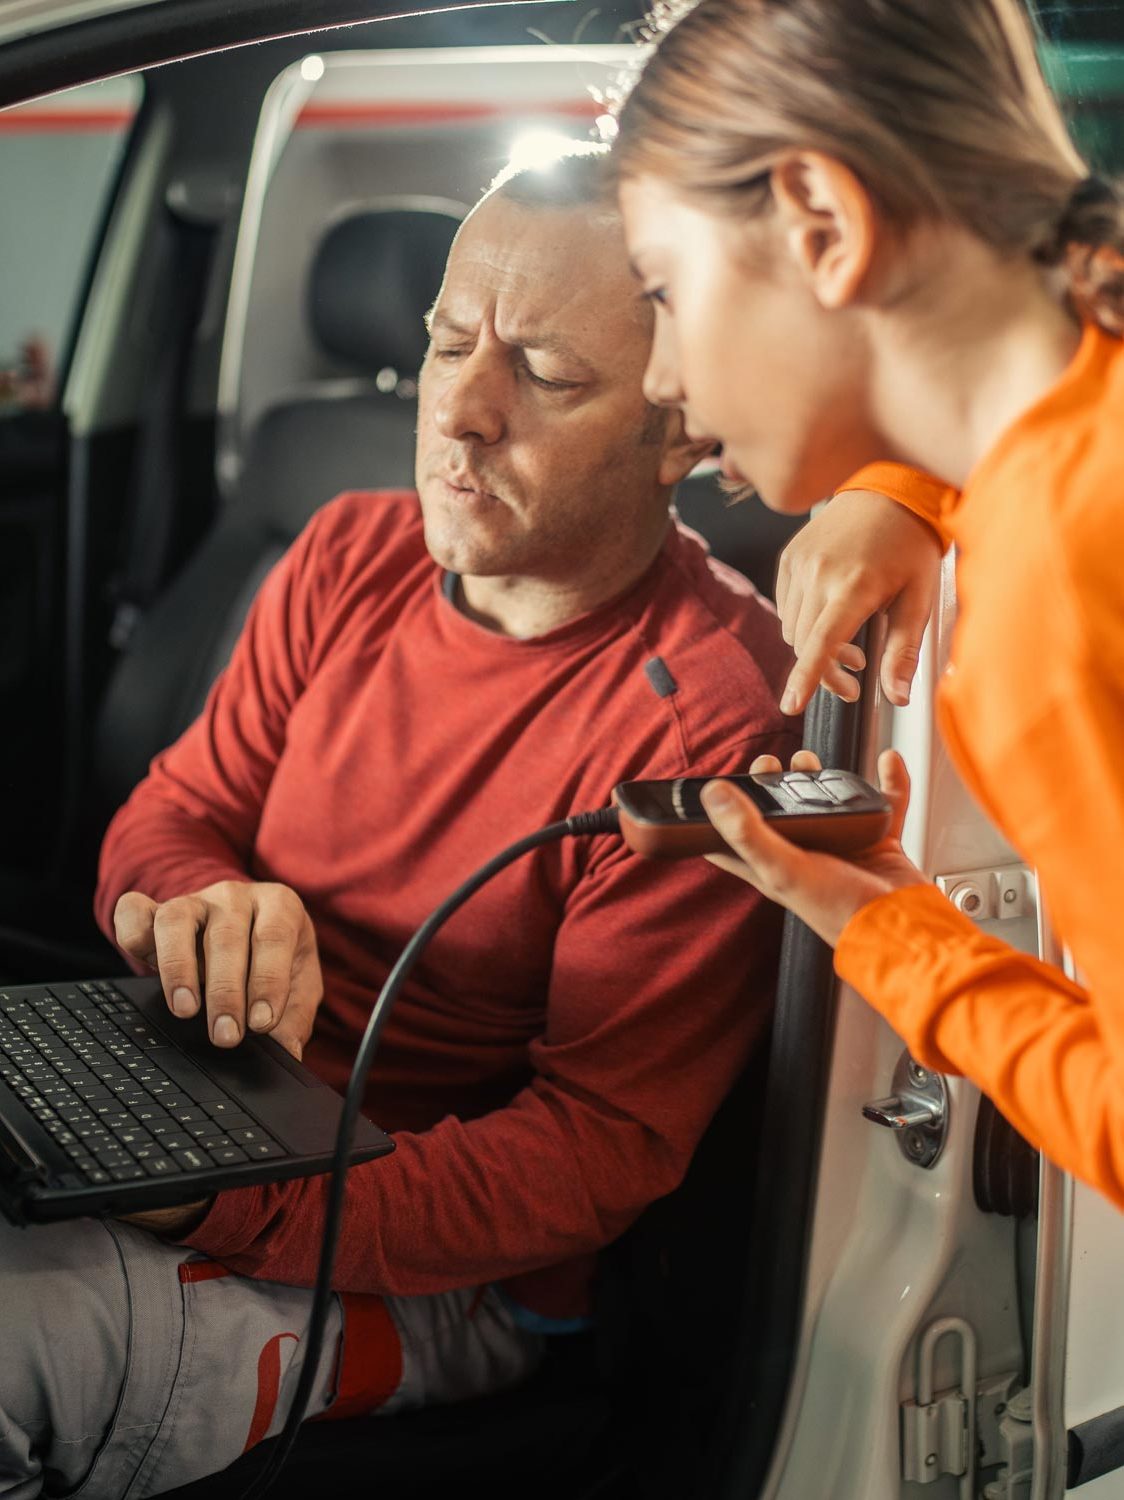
(413, 690)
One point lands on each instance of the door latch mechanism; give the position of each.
(917, 1111)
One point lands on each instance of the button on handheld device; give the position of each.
(834, 811)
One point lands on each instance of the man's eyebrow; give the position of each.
(551, 343)
(434, 319)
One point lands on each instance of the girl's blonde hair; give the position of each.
(939, 107)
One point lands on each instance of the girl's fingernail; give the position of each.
(901, 687)
(717, 797)
(788, 702)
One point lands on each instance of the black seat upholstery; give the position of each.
(374, 276)
(748, 536)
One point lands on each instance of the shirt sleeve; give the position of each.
(924, 495)
(964, 1002)
(661, 984)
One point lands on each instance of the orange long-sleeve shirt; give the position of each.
(1032, 710)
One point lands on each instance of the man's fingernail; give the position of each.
(901, 688)
(226, 1031)
(183, 1002)
(788, 702)
(717, 797)
(260, 1015)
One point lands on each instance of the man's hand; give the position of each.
(862, 553)
(823, 890)
(247, 949)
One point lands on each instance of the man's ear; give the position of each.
(828, 225)
(680, 453)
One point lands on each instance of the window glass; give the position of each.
(1083, 59)
(58, 157)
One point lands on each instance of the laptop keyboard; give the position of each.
(119, 1100)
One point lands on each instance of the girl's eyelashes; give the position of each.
(657, 294)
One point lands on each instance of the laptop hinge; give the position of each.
(17, 1160)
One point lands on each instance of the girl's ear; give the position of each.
(827, 224)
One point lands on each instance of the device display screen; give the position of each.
(680, 799)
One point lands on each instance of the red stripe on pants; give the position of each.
(370, 1368)
(269, 1388)
(202, 1270)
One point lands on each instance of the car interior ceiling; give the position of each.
(148, 563)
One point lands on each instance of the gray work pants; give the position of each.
(129, 1366)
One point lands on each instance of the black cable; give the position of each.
(604, 820)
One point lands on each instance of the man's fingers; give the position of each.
(906, 619)
(176, 924)
(278, 928)
(226, 947)
(132, 926)
(893, 778)
(306, 992)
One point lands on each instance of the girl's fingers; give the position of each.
(769, 860)
(893, 778)
(765, 765)
(806, 760)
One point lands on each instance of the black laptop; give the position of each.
(109, 1104)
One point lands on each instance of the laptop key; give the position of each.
(160, 1166)
(192, 1159)
(128, 1173)
(225, 1156)
(263, 1150)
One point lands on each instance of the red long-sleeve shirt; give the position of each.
(567, 1036)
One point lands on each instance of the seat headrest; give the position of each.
(374, 277)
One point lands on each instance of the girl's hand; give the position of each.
(824, 890)
(862, 553)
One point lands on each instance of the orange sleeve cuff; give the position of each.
(900, 953)
(920, 493)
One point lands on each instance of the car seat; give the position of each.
(374, 276)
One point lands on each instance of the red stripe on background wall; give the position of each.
(53, 121)
(312, 117)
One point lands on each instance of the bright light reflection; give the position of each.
(538, 148)
(312, 69)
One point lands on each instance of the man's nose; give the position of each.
(473, 404)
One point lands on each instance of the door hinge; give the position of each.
(939, 1431)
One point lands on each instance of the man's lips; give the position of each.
(466, 485)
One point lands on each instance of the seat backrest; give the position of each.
(748, 535)
(374, 276)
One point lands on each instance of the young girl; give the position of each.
(868, 236)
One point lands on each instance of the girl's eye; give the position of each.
(657, 294)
